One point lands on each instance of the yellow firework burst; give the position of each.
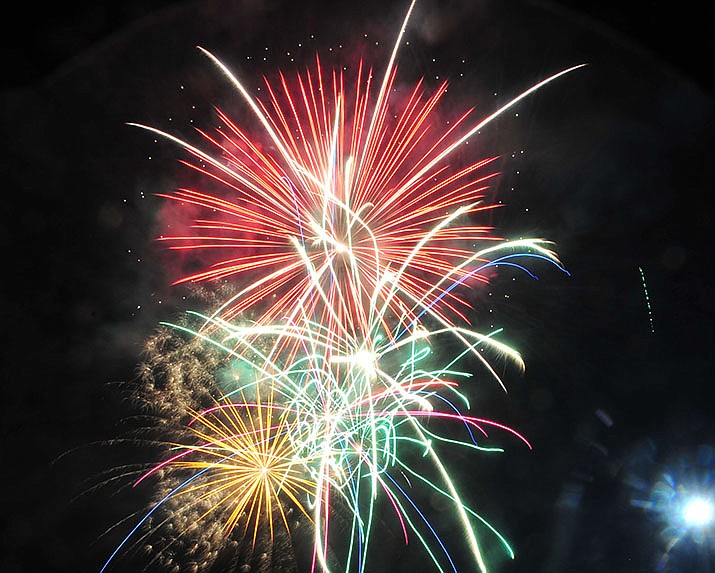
(246, 464)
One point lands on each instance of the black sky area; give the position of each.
(37, 41)
(618, 388)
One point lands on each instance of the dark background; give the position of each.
(37, 41)
(616, 171)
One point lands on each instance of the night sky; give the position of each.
(612, 163)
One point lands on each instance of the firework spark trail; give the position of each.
(360, 234)
(647, 300)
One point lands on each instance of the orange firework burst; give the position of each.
(239, 469)
(246, 462)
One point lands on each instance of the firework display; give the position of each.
(333, 378)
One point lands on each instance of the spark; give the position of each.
(647, 299)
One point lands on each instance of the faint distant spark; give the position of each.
(647, 299)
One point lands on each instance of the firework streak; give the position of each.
(351, 247)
